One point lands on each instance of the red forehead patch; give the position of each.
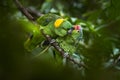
(77, 27)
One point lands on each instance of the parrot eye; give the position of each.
(47, 20)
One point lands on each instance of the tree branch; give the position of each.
(23, 10)
(34, 13)
(52, 41)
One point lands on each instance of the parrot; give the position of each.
(70, 42)
(35, 38)
(58, 28)
(54, 25)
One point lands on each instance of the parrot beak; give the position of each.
(70, 30)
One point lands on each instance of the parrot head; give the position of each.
(75, 29)
(77, 33)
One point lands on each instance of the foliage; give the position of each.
(99, 50)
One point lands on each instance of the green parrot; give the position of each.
(36, 38)
(69, 43)
(59, 29)
(54, 25)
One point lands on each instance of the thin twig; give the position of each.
(36, 14)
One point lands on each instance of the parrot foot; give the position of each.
(52, 41)
(66, 55)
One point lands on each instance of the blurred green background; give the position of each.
(101, 40)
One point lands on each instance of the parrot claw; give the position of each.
(52, 41)
(65, 55)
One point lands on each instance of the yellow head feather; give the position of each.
(58, 22)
